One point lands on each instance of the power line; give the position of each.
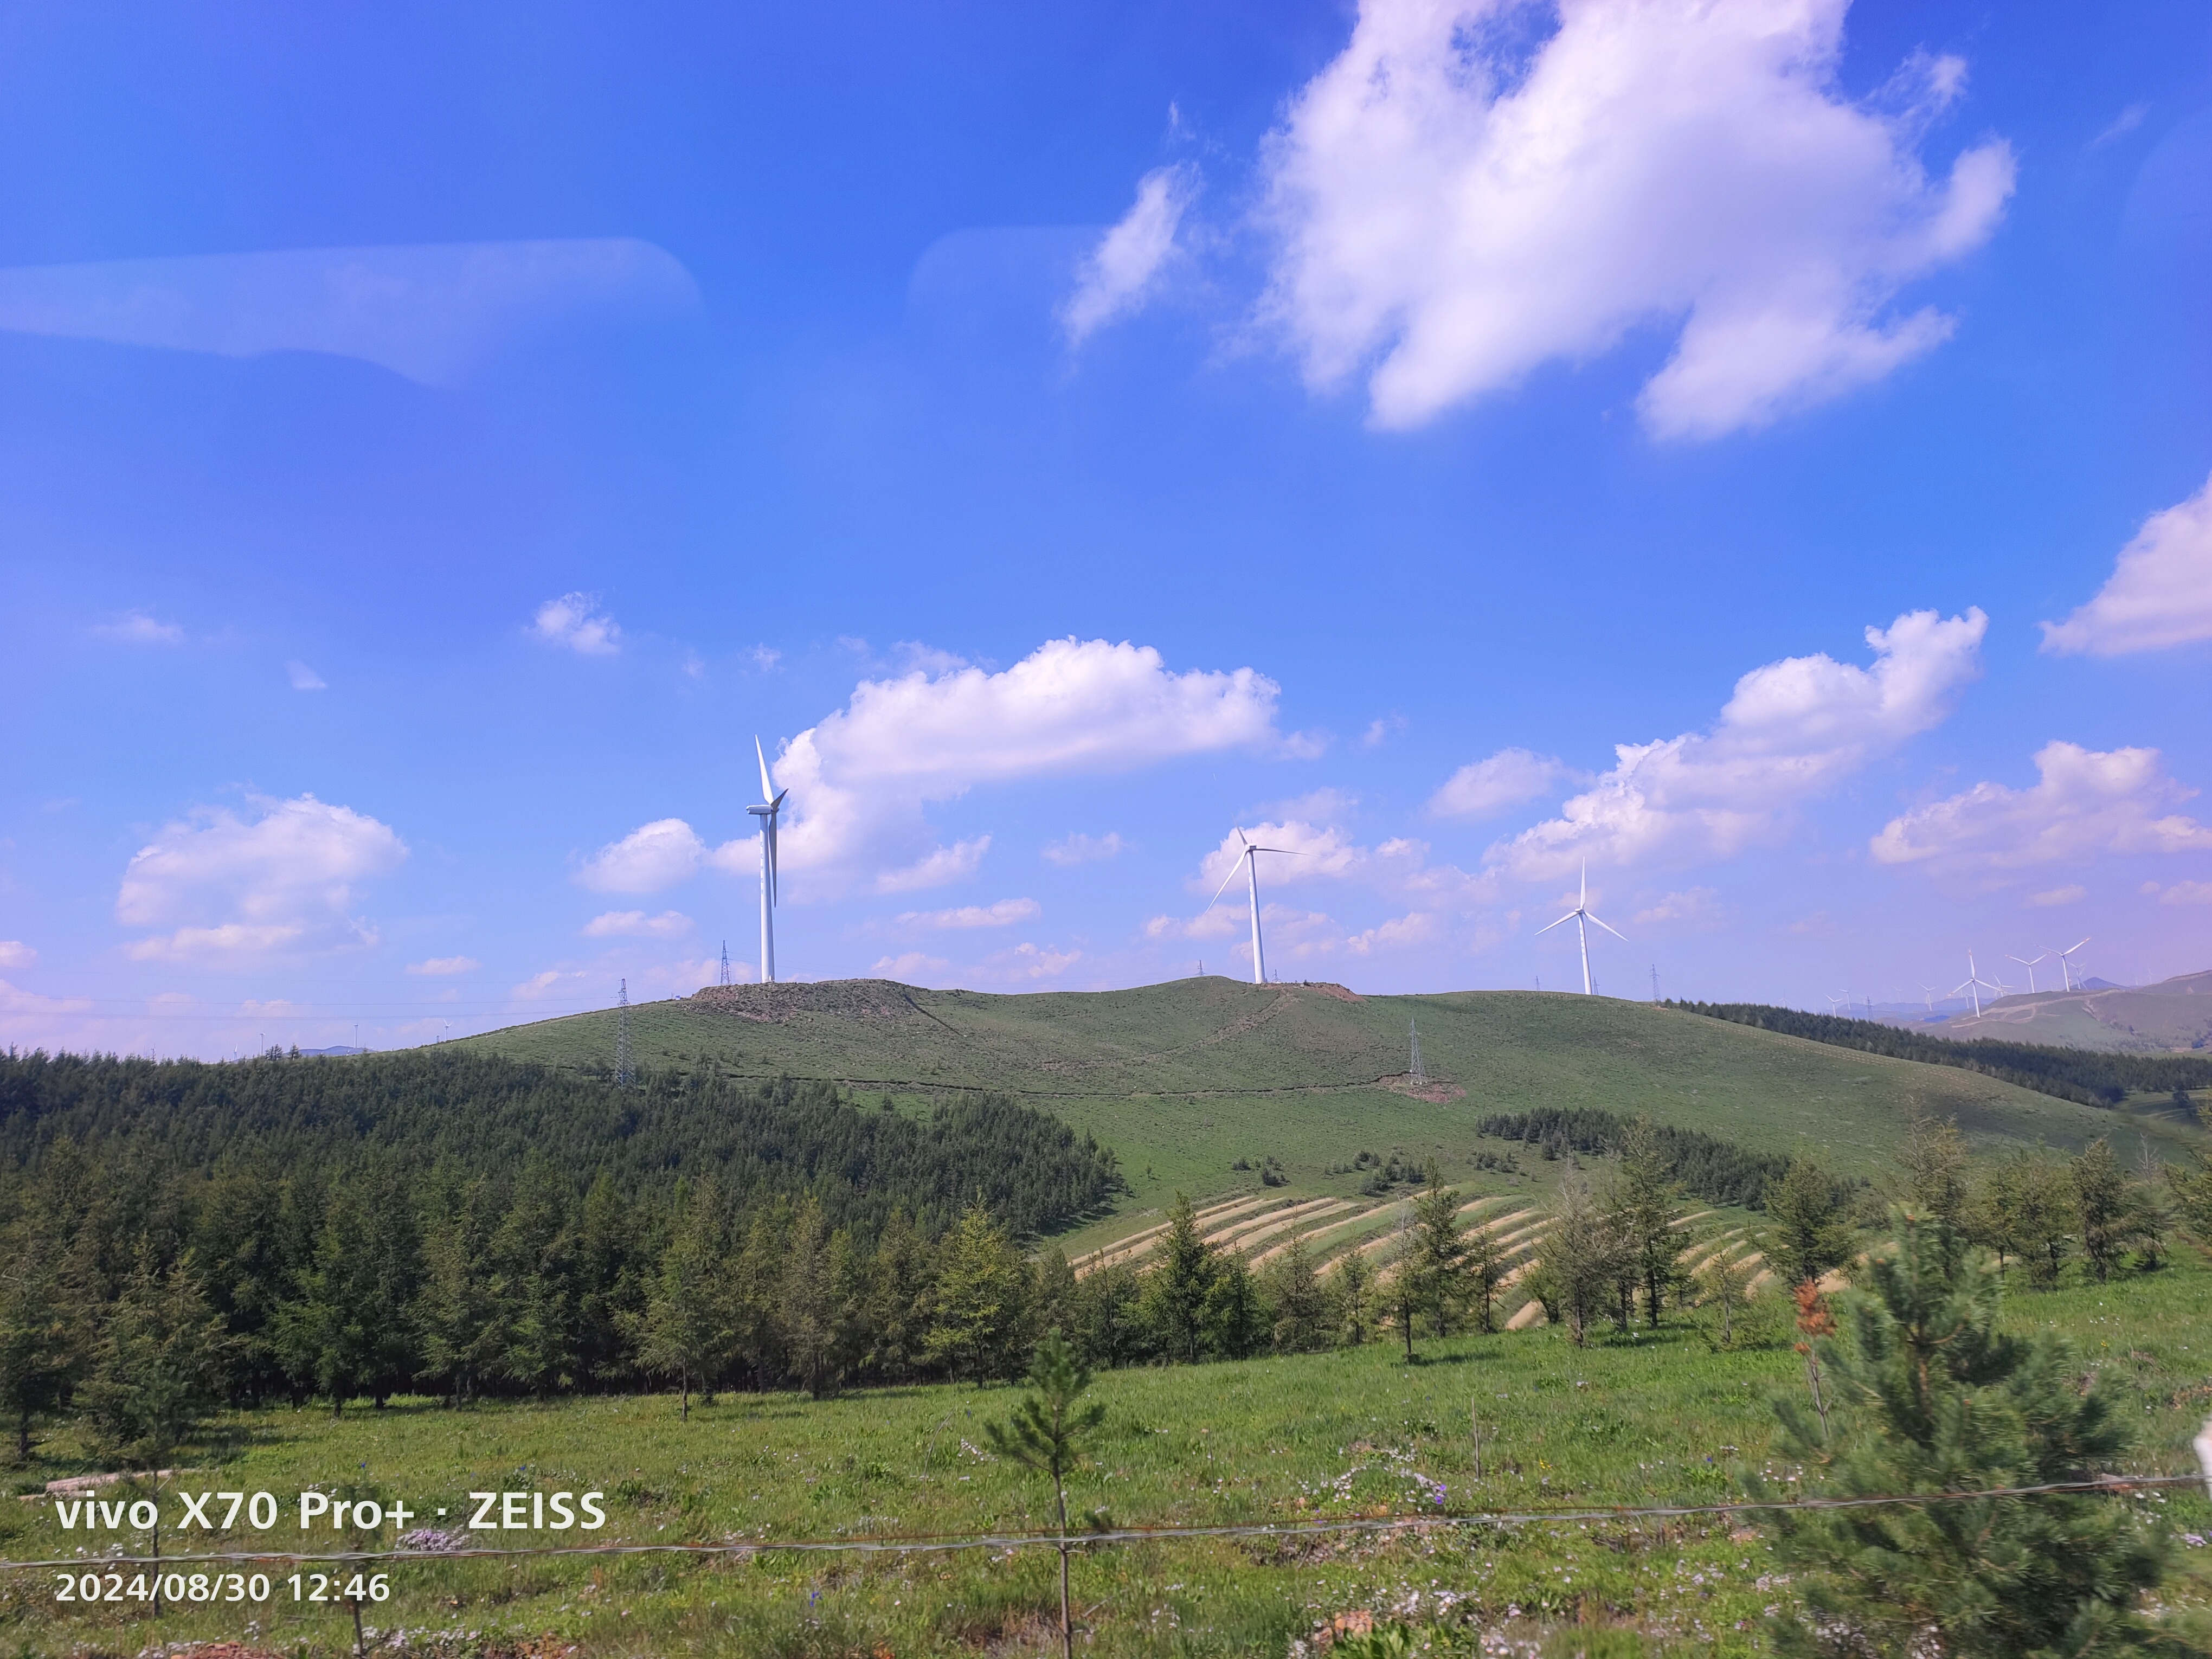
(2105, 1487)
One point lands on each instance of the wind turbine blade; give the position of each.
(767, 789)
(2071, 948)
(1582, 903)
(1287, 852)
(776, 805)
(1225, 880)
(1240, 836)
(1610, 928)
(1561, 922)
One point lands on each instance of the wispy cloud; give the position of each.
(433, 313)
(1071, 850)
(1005, 913)
(444, 967)
(635, 924)
(305, 678)
(136, 627)
(16, 955)
(1125, 270)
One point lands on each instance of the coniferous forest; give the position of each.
(450, 1223)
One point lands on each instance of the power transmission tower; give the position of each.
(625, 1071)
(725, 979)
(1418, 1071)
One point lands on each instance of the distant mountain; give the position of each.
(305, 1053)
(2174, 1016)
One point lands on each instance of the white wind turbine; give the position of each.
(1974, 985)
(1837, 1001)
(1249, 857)
(768, 811)
(2066, 963)
(2027, 962)
(1927, 996)
(1581, 916)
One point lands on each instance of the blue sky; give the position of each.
(1759, 449)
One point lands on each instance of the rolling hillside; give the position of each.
(2173, 1016)
(1185, 1078)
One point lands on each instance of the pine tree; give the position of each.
(807, 1302)
(979, 1300)
(1353, 1279)
(2100, 1201)
(1180, 1284)
(1237, 1316)
(1403, 1291)
(1047, 1434)
(1808, 1233)
(1579, 1256)
(1487, 1266)
(679, 1336)
(1441, 1252)
(1930, 1397)
(159, 1366)
(1934, 1160)
(1303, 1315)
(40, 1347)
(1646, 1203)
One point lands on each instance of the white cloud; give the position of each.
(2087, 803)
(1075, 849)
(14, 953)
(2121, 124)
(538, 987)
(2159, 593)
(430, 312)
(305, 678)
(937, 868)
(240, 889)
(764, 658)
(1793, 730)
(1403, 934)
(2182, 892)
(635, 924)
(576, 620)
(1456, 210)
(1317, 853)
(1125, 269)
(444, 967)
(16, 1001)
(1698, 904)
(136, 627)
(657, 855)
(1381, 731)
(2055, 896)
(912, 968)
(1029, 962)
(1004, 913)
(1484, 788)
(1219, 922)
(861, 780)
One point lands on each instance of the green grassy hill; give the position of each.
(1182, 1079)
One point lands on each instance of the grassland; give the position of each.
(1659, 1418)
(1182, 1079)
(2173, 1016)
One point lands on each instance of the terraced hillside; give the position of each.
(1185, 1080)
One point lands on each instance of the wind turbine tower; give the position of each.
(1974, 985)
(1249, 857)
(1581, 916)
(770, 808)
(2066, 963)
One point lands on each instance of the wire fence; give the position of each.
(920, 1544)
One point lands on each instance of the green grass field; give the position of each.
(1658, 1419)
(1182, 1079)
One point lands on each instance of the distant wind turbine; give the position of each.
(1581, 916)
(768, 811)
(1249, 857)
(1975, 985)
(1839, 1001)
(2027, 962)
(1927, 996)
(2066, 963)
